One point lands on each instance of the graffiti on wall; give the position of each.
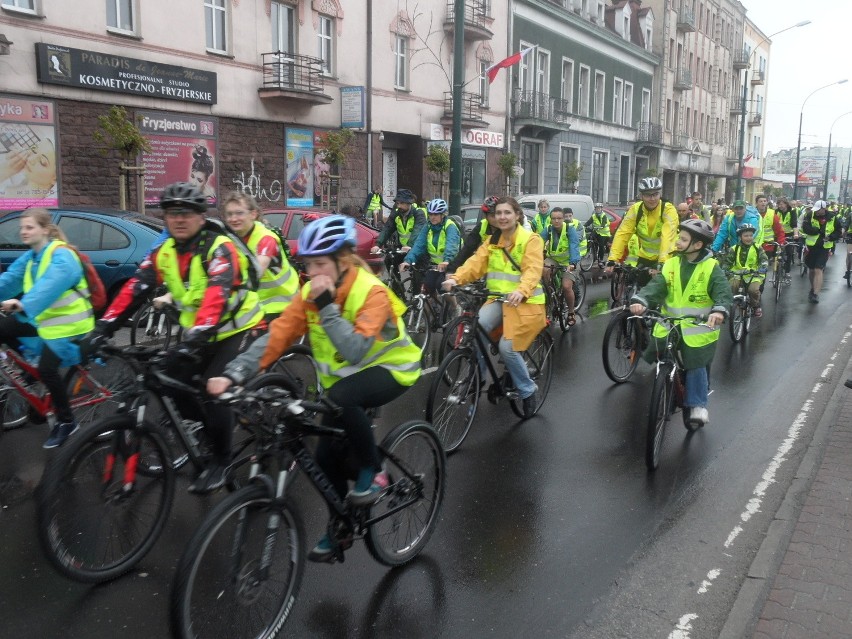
(253, 185)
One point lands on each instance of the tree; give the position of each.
(116, 132)
(507, 164)
(334, 146)
(572, 174)
(438, 161)
(712, 185)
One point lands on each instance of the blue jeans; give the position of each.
(697, 387)
(490, 317)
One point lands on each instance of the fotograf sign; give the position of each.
(471, 137)
(106, 72)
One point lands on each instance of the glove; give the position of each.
(92, 343)
(762, 270)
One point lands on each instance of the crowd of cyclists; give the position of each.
(242, 303)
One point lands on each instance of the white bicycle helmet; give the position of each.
(650, 184)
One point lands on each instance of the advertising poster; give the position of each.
(300, 167)
(322, 170)
(28, 153)
(183, 149)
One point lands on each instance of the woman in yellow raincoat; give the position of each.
(512, 264)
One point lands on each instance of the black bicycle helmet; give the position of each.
(744, 228)
(183, 195)
(699, 229)
(405, 196)
(650, 184)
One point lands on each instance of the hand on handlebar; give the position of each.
(637, 309)
(12, 306)
(448, 283)
(404, 266)
(715, 319)
(162, 300)
(218, 385)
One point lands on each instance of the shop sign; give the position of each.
(470, 137)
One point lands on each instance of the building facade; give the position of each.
(754, 84)
(238, 95)
(578, 96)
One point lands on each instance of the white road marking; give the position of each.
(683, 627)
(710, 577)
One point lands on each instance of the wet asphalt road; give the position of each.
(550, 527)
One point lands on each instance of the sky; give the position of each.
(802, 60)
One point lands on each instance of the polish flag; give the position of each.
(505, 64)
(748, 157)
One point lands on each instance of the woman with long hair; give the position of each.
(46, 296)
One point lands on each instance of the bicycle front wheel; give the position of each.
(408, 511)
(621, 348)
(456, 334)
(539, 360)
(15, 408)
(579, 291)
(779, 284)
(96, 393)
(233, 579)
(588, 259)
(418, 325)
(97, 516)
(737, 323)
(658, 416)
(454, 397)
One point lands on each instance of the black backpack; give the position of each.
(214, 227)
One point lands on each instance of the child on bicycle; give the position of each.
(690, 283)
(54, 307)
(365, 357)
(747, 255)
(439, 241)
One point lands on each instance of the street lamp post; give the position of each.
(799, 143)
(743, 112)
(828, 158)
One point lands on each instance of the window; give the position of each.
(668, 115)
(671, 53)
(627, 111)
(600, 94)
(566, 91)
(756, 148)
(526, 80)
(10, 236)
(626, 27)
(568, 155)
(325, 50)
(91, 235)
(649, 34)
(646, 105)
(531, 163)
(700, 126)
(688, 120)
(483, 82)
(599, 177)
(676, 117)
(283, 28)
(400, 77)
(27, 6)
(617, 89)
(120, 15)
(585, 88)
(215, 20)
(542, 76)
(600, 12)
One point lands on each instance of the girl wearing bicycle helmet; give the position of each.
(438, 241)
(365, 357)
(691, 283)
(747, 255)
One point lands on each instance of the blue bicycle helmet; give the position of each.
(327, 235)
(437, 206)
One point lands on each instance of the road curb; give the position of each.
(754, 591)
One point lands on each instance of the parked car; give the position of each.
(292, 221)
(115, 241)
(469, 214)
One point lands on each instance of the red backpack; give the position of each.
(97, 290)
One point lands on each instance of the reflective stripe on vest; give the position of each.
(502, 277)
(811, 240)
(278, 284)
(404, 229)
(437, 254)
(392, 350)
(562, 253)
(71, 313)
(632, 258)
(693, 300)
(243, 309)
(766, 221)
(483, 230)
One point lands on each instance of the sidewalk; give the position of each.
(809, 596)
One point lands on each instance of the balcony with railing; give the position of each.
(685, 19)
(740, 59)
(650, 133)
(293, 77)
(680, 141)
(735, 103)
(531, 108)
(471, 109)
(758, 77)
(755, 119)
(477, 26)
(683, 79)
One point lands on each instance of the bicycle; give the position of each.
(425, 315)
(741, 310)
(105, 498)
(556, 304)
(623, 340)
(392, 257)
(240, 573)
(153, 326)
(93, 390)
(587, 260)
(454, 394)
(776, 269)
(669, 385)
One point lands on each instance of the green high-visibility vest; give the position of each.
(562, 253)
(437, 254)
(405, 228)
(278, 284)
(503, 278)
(694, 299)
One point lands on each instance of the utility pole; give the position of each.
(458, 85)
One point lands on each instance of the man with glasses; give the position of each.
(207, 277)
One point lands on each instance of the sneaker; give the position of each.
(368, 488)
(531, 404)
(848, 383)
(758, 312)
(323, 551)
(59, 433)
(211, 478)
(699, 415)
(846, 275)
(815, 299)
(812, 298)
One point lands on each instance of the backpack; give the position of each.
(97, 290)
(285, 247)
(456, 219)
(218, 227)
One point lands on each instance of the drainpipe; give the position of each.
(368, 116)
